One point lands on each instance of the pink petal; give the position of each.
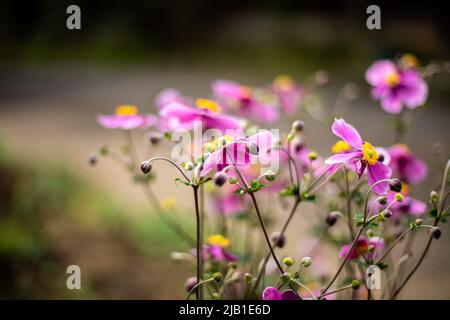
(377, 72)
(343, 157)
(271, 293)
(347, 133)
(377, 172)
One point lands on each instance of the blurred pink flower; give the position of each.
(288, 92)
(371, 246)
(127, 118)
(168, 96)
(405, 165)
(396, 87)
(272, 293)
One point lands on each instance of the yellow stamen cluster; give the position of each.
(392, 79)
(126, 110)
(370, 155)
(409, 61)
(284, 82)
(405, 188)
(208, 105)
(219, 240)
(340, 146)
(168, 203)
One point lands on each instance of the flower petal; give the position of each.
(271, 293)
(343, 157)
(377, 172)
(347, 133)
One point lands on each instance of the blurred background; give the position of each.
(55, 210)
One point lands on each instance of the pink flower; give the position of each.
(405, 165)
(244, 99)
(176, 115)
(288, 92)
(371, 246)
(361, 155)
(238, 151)
(396, 87)
(215, 253)
(272, 293)
(168, 96)
(127, 118)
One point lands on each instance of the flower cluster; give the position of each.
(242, 177)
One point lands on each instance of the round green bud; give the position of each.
(270, 176)
(217, 276)
(232, 265)
(216, 296)
(356, 284)
(382, 200)
(248, 277)
(418, 222)
(306, 262)
(288, 261)
(286, 276)
(298, 125)
(434, 197)
(312, 156)
(233, 180)
(398, 197)
(189, 166)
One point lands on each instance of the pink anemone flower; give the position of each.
(176, 115)
(361, 155)
(396, 87)
(168, 96)
(272, 293)
(371, 246)
(127, 118)
(248, 104)
(405, 165)
(289, 93)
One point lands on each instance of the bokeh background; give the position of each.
(55, 210)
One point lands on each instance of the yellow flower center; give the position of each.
(284, 82)
(208, 105)
(392, 79)
(219, 240)
(168, 203)
(340, 146)
(126, 110)
(405, 188)
(370, 155)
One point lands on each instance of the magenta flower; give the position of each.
(244, 99)
(396, 87)
(127, 118)
(168, 96)
(215, 253)
(288, 92)
(238, 151)
(272, 293)
(405, 165)
(360, 156)
(409, 206)
(363, 246)
(176, 115)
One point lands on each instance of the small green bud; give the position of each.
(418, 222)
(232, 265)
(398, 197)
(217, 276)
(270, 176)
(288, 261)
(306, 262)
(248, 277)
(189, 166)
(312, 156)
(382, 200)
(434, 197)
(298, 125)
(216, 296)
(286, 276)
(356, 284)
(233, 180)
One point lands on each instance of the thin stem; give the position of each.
(393, 245)
(335, 291)
(194, 288)
(304, 287)
(171, 162)
(199, 251)
(349, 204)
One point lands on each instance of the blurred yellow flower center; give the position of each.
(218, 240)
(126, 110)
(246, 91)
(405, 188)
(340, 146)
(168, 203)
(284, 82)
(370, 155)
(208, 105)
(409, 60)
(392, 79)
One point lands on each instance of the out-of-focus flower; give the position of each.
(176, 115)
(244, 99)
(396, 87)
(168, 96)
(371, 246)
(361, 156)
(219, 240)
(127, 118)
(272, 293)
(405, 165)
(288, 92)
(215, 249)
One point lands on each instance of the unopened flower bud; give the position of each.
(298, 125)
(418, 222)
(387, 213)
(435, 232)
(189, 166)
(395, 185)
(332, 218)
(298, 145)
(233, 180)
(232, 265)
(248, 277)
(278, 239)
(306, 261)
(312, 156)
(146, 167)
(217, 276)
(190, 283)
(398, 197)
(382, 200)
(216, 296)
(434, 197)
(356, 284)
(270, 176)
(155, 138)
(288, 261)
(92, 160)
(220, 178)
(286, 276)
